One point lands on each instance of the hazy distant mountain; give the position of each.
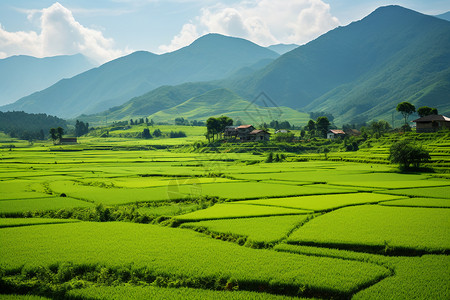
(210, 57)
(22, 75)
(222, 101)
(364, 69)
(444, 16)
(282, 48)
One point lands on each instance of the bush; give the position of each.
(406, 154)
(177, 134)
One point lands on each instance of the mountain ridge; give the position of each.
(135, 74)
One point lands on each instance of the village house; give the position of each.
(259, 135)
(246, 133)
(67, 141)
(432, 123)
(335, 133)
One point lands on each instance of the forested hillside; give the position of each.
(28, 126)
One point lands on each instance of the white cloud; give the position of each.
(264, 22)
(60, 34)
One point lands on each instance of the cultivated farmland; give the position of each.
(106, 220)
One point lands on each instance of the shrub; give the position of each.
(177, 134)
(406, 154)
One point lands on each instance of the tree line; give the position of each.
(25, 126)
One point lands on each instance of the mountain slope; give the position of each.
(444, 16)
(158, 99)
(210, 57)
(222, 101)
(362, 55)
(22, 75)
(282, 48)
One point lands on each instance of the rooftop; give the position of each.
(431, 118)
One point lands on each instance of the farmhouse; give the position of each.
(259, 135)
(245, 133)
(67, 141)
(432, 123)
(335, 133)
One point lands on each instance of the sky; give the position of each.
(103, 30)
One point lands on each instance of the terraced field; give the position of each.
(94, 221)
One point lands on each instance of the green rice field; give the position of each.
(123, 218)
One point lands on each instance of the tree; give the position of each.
(406, 154)
(379, 128)
(426, 111)
(59, 132)
(212, 127)
(269, 158)
(157, 133)
(302, 133)
(406, 109)
(223, 122)
(322, 125)
(53, 134)
(146, 134)
(81, 128)
(284, 137)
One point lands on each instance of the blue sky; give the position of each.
(106, 29)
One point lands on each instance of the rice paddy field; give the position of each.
(117, 218)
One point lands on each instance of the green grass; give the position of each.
(322, 202)
(42, 204)
(231, 210)
(13, 222)
(423, 229)
(151, 292)
(179, 253)
(264, 229)
(419, 202)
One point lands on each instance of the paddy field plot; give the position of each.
(419, 202)
(151, 292)
(13, 222)
(420, 277)
(231, 210)
(40, 204)
(252, 190)
(179, 253)
(109, 196)
(422, 229)
(263, 229)
(424, 277)
(429, 192)
(322, 202)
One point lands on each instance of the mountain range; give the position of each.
(361, 71)
(210, 57)
(22, 75)
(358, 72)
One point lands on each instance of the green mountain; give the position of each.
(210, 57)
(222, 101)
(156, 100)
(22, 75)
(361, 71)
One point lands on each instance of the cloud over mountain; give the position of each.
(59, 34)
(264, 22)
